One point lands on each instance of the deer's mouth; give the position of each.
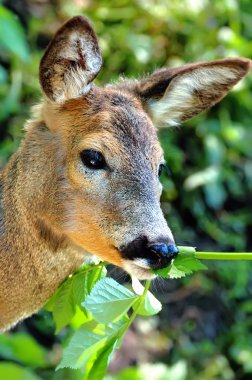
(138, 268)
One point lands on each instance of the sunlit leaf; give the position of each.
(87, 343)
(149, 305)
(64, 307)
(108, 300)
(72, 293)
(100, 365)
(184, 264)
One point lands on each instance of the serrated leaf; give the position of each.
(87, 342)
(173, 273)
(99, 366)
(184, 264)
(85, 281)
(72, 293)
(108, 300)
(50, 303)
(12, 35)
(149, 305)
(63, 308)
(84, 343)
(94, 276)
(80, 317)
(188, 263)
(79, 289)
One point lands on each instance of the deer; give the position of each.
(85, 179)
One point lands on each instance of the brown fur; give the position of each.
(53, 210)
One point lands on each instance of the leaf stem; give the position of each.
(223, 255)
(139, 301)
(135, 311)
(101, 264)
(215, 255)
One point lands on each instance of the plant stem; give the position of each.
(101, 264)
(215, 255)
(138, 302)
(223, 255)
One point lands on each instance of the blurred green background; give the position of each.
(205, 329)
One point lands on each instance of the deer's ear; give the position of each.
(71, 61)
(172, 96)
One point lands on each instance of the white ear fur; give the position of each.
(194, 90)
(77, 79)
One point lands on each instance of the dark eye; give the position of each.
(93, 159)
(163, 167)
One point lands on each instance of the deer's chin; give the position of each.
(138, 268)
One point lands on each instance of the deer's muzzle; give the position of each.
(150, 255)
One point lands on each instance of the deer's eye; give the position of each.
(93, 159)
(163, 167)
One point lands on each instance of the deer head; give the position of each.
(107, 157)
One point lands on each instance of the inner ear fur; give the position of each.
(71, 61)
(172, 96)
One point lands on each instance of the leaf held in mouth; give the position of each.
(184, 264)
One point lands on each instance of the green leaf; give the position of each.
(12, 35)
(12, 348)
(80, 317)
(108, 300)
(149, 305)
(11, 371)
(79, 287)
(84, 282)
(63, 308)
(88, 342)
(184, 264)
(173, 272)
(94, 276)
(188, 263)
(84, 344)
(72, 293)
(50, 303)
(99, 367)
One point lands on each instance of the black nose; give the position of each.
(164, 253)
(157, 255)
(164, 250)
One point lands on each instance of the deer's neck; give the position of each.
(34, 256)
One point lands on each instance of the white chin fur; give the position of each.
(138, 268)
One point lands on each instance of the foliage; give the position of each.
(107, 304)
(205, 325)
(184, 264)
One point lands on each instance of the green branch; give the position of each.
(216, 255)
(223, 255)
(138, 304)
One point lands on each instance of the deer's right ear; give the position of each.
(171, 96)
(71, 61)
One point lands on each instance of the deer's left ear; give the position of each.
(172, 96)
(71, 61)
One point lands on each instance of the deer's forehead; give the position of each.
(117, 120)
(129, 123)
